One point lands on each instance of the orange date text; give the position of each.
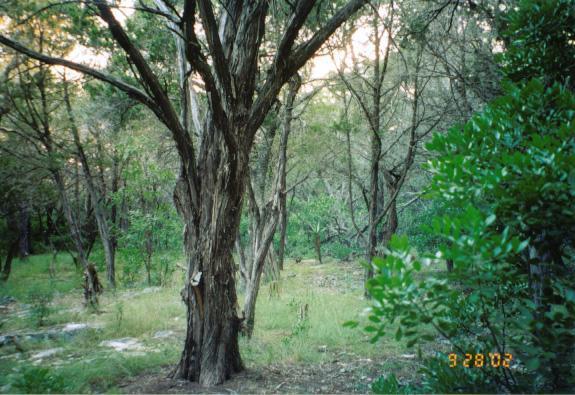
(493, 360)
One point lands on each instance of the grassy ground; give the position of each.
(298, 329)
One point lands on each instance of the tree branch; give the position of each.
(304, 52)
(298, 57)
(217, 51)
(132, 91)
(298, 18)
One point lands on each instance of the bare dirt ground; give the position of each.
(352, 376)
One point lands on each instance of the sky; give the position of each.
(320, 67)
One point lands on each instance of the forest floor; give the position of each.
(132, 344)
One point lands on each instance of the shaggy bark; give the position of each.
(214, 168)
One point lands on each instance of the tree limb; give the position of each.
(132, 91)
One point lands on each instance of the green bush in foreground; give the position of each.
(511, 294)
(37, 380)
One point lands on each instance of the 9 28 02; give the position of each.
(493, 360)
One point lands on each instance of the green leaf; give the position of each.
(491, 219)
(351, 324)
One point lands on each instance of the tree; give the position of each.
(389, 91)
(31, 116)
(511, 290)
(214, 166)
(96, 197)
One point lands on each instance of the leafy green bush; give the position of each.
(312, 217)
(37, 380)
(540, 36)
(132, 265)
(40, 306)
(390, 385)
(510, 170)
(414, 223)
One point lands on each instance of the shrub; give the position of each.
(40, 306)
(37, 380)
(509, 169)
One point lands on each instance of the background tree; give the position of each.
(209, 192)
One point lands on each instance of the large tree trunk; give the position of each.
(209, 192)
(211, 352)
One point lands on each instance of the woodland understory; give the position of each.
(287, 196)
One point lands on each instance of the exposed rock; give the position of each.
(163, 334)
(57, 332)
(124, 344)
(47, 353)
(133, 294)
(73, 326)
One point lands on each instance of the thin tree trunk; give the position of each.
(244, 272)
(101, 220)
(12, 251)
(294, 86)
(149, 251)
(449, 265)
(317, 245)
(90, 293)
(116, 174)
(23, 230)
(264, 222)
(265, 219)
(390, 227)
(51, 225)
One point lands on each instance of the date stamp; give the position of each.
(493, 360)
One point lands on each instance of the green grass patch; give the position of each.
(286, 331)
